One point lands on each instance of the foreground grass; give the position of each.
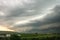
(40, 36)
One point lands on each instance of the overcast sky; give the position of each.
(30, 15)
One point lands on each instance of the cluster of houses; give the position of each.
(5, 35)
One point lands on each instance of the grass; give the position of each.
(33, 36)
(40, 36)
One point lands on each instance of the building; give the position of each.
(5, 35)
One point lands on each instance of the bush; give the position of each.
(15, 37)
(35, 38)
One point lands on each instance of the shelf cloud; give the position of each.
(30, 15)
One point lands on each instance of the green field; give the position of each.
(31, 36)
(40, 36)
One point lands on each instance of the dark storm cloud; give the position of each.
(54, 17)
(47, 28)
(51, 23)
(54, 28)
(31, 14)
(37, 7)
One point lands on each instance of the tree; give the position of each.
(15, 37)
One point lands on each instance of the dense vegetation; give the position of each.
(34, 36)
(40, 36)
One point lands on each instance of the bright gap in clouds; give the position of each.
(2, 14)
(3, 28)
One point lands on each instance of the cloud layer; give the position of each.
(30, 15)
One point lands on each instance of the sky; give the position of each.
(30, 16)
